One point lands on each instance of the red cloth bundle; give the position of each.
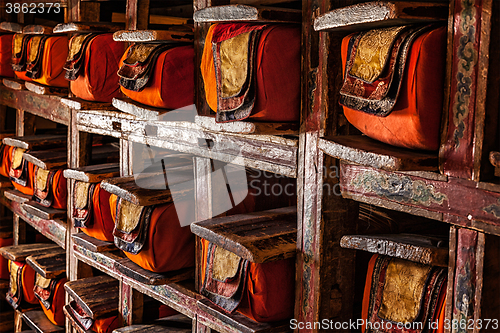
(94, 77)
(22, 282)
(410, 114)
(4, 263)
(165, 79)
(51, 294)
(260, 80)
(6, 159)
(6, 55)
(22, 173)
(50, 188)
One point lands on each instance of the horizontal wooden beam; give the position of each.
(41, 89)
(93, 173)
(175, 33)
(38, 321)
(49, 265)
(247, 13)
(22, 251)
(12, 27)
(37, 142)
(247, 127)
(87, 27)
(37, 29)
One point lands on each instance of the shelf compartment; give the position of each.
(264, 152)
(73, 321)
(84, 27)
(37, 29)
(49, 265)
(258, 237)
(44, 213)
(37, 142)
(146, 112)
(98, 296)
(81, 104)
(21, 252)
(41, 89)
(38, 322)
(6, 230)
(247, 13)
(426, 250)
(362, 150)
(12, 27)
(92, 244)
(5, 183)
(174, 33)
(93, 173)
(14, 84)
(379, 14)
(17, 196)
(55, 230)
(247, 127)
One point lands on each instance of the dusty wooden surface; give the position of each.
(37, 142)
(75, 324)
(248, 127)
(14, 84)
(98, 296)
(378, 14)
(93, 173)
(38, 321)
(11, 26)
(259, 237)
(143, 111)
(92, 244)
(22, 251)
(87, 27)
(141, 275)
(362, 150)
(80, 104)
(172, 34)
(49, 265)
(45, 213)
(45, 90)
(37, 29)
(425, 250)
(246, 13)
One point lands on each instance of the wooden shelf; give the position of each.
(87, 27)
(247, 13)
(17, 196)
(22, 251)
(48, 159)
(73, 321)
(247, 127)
(98, 296)
(379, 14)
(150, 113)
(37, 142)
(12, 27)
(418, 248)
(37, 29)
(44, 213)
(264, 152)
(55, 230)
(259, 237)
(92, 244)
(362, 150)
(176, 323)
(41, 89)
(175, 33)
(80, 104)
(49, 265)
(38, 321)
(93, 173)
(14, 84)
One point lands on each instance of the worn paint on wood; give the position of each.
(175, 33)
(38, 321)
(87, 27)
(22, 251)
(246, 13)
(247, 127)
(93, 173)
(49, 265)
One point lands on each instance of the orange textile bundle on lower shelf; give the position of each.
(50, 188)
(51, 294)
(158, 75)
(252, 71)
(6, 55)
(100, 325)
(20, 55)
(22, 282)
(263, 292)
(6, 159)
(92, 65)
(418, 300)
(400, 101)
(22, 172)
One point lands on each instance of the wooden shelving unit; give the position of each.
(335, 167)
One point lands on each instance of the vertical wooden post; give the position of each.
(124, 158)
(131, 304)
(25, 123)
(137, 15)
(451, 275)
(200, 328)
(19, 228)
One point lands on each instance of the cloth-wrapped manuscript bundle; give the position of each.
(50, 188)
(51, 294)
(22, 282)
(6, 55)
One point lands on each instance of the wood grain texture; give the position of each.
(22, 251)
(247, 127)
(92, 244)
(49, 265)
(422, 249)
(362, 150)
(37, 142)
(246, 13)
(80, 104)
(146, 112)
(12, 27)
(38, 321)
(13, 83)
(45, 213)
(93, 173)
(37, 29)
(45, 90)
(87, 27)
(378, 14)
(175, 33)
(98, 296)
(259, 237)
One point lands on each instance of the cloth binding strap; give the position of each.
(131, 226)
(35, 57)
(137, 67)
(379, 96)
(19, 167)
(80, 315)
(83, 207)
(76, 55)
(227, 291)
(20, 51)
(43, 193)
(44, 290)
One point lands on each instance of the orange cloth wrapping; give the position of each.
(276, 71)
(415, 119)
(55, 192)
(97, 80)
(103, 222)
(55, 314)
(30, 176)
(6, 55)
(27, 281)
(105, 325)
(168, 246)
(171, 84)
(6, 155)
(4, 263)
(269, 291)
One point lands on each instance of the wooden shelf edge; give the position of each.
(247, 127)
(14, 84)
(80, 104)
(48, 265)
(45, 90)
(144, 36)
(247, 13)
(93, 173)
(73, 321)
(38, 321)
(12, 27)
(22, 251)
(44, 213)
(87, 27)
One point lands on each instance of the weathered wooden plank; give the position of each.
(45, 106)
(150, 329)
(92, 244)
(47, 159)
(49, 265)
(13, 83)
(73, 321)
(37, 29)
(98, 296)
(12, 27)
(362, 150)
(22, 251)
(93, 173)
(378, 14)
(422, 249)
(81, 104)
(174, 33)
(87, 27)
(45, 90)
(259, 237)
(45, 213)
(139, 274)
(247, 13)
(38, 321)
(248, 127)
(37, 142)
(148, 112)
(131, 305)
